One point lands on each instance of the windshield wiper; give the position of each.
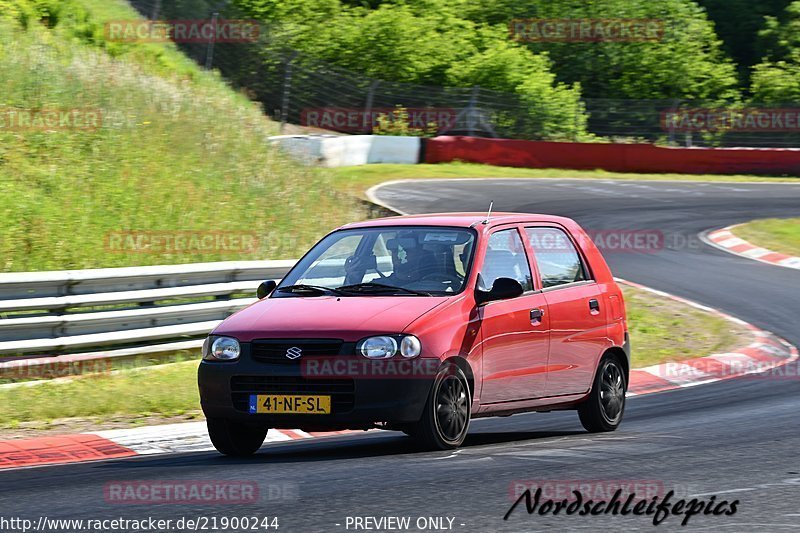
(379, 287)
(308, 288)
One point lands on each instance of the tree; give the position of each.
(547, 109)
(429, 42)
(776, 83)
(738, 23)
(777, 78)
(779, 39)
(687, 62)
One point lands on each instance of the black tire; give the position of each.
(605, 406)
(445, 420)
(234, 438)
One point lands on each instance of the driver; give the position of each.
(410, 260)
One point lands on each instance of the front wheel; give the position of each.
(445, 420)
(603, 409)
(234, 438)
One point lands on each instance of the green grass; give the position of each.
(47, 373)
(665, 330)
(358, 179)
(83, 21)
(660, 331)
(776, 234)
(164, 390)
(176, 152)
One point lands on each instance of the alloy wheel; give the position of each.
(452, 408)
(612, 392)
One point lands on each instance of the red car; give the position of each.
(419, 324)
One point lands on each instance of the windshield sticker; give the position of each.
(448, 236)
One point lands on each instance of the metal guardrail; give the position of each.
(43, 327)
(25, 285)
(50, 313)
(141, 297)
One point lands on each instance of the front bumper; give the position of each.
(358, 402)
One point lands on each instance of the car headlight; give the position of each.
(410, 346)
(385, 346)
(221, 349)
(378, 347)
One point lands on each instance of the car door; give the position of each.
(578, 332)
(515, 332)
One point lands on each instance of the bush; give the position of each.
(397, 123)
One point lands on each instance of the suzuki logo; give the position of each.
(294, 352)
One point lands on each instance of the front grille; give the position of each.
(341, 391)
(275, 350)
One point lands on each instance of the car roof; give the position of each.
(464, 220)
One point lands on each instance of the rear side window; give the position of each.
(505, 258)
(558, 261)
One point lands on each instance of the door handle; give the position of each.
(536, 315)
(594, 306)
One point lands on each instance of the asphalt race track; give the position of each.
(737, 439)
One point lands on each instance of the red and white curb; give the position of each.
(726, 240)
(191, 437)
(765, 353)
(120, 443)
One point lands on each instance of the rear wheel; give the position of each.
(445, 420)
(603, 409)
(234, 438)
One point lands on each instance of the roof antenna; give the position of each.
(489, 214)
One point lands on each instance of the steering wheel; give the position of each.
(454, 279)
(371, 263)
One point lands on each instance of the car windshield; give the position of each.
(393, 261)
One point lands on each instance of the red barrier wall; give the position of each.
(613, 157)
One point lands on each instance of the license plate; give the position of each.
(290, 404)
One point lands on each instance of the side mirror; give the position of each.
(266, 288)
(503, 289)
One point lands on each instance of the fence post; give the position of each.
(368, 106)
(287, 88)
(676, 103)
(473, 100)
(210, 48)
(156, 10)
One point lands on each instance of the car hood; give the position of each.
(349, 318)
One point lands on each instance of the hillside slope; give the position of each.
(175, 153)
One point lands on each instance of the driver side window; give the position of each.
(505, 258)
